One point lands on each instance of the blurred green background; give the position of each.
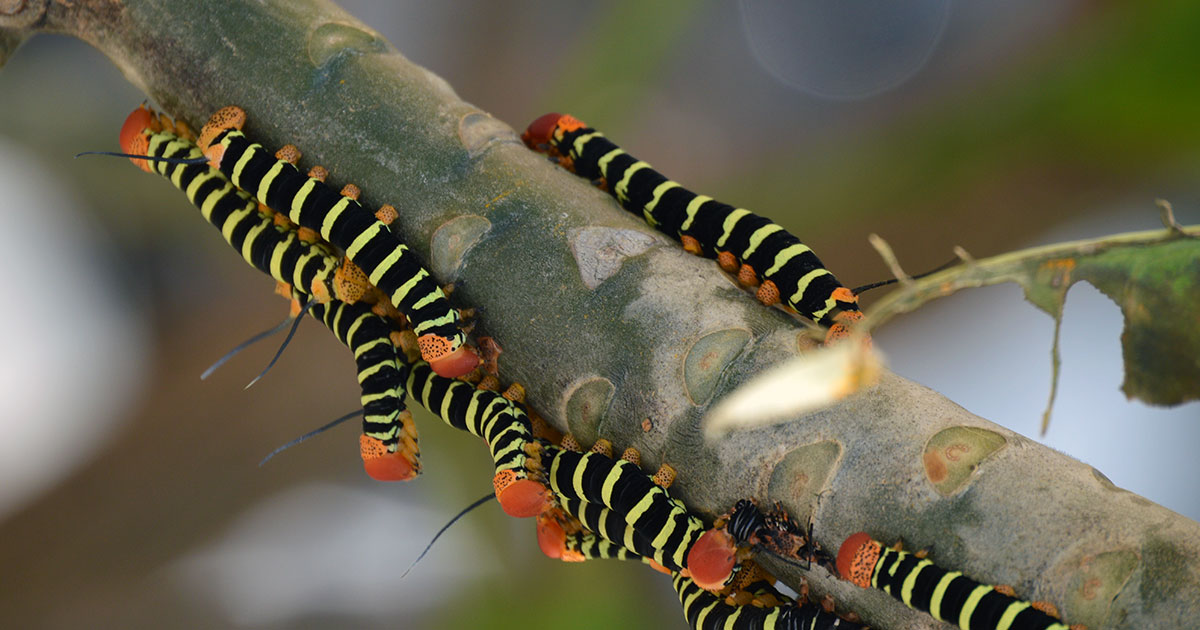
(131, 498)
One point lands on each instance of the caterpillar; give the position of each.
(368, 242)
(679, 538)
(388, 443)
(946, 595)
(501, 423)
(279, 252)
(757, 249)
(706, 611)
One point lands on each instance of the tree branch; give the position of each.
(617, 333)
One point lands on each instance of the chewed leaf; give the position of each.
(1158, 290)
(811, 381)
(1154, 277)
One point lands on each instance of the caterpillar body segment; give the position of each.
(501, 423)
(770, 258)
(946, 595)
(344, 222)
(608, 525)
(388, 444)
(561, 537)
(706, 611)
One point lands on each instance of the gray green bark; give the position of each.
(617, 333)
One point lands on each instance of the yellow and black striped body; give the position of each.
(716, 228)
(344, 222)
(946, 595)
(706, 611)
(279, 252)
(270, 248)
(382, 375)
(591, 546)
(502, 424)
(608, 532)
(627, 491)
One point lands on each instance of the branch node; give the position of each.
(889, 258)
(1167, 214)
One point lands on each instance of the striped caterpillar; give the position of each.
(502, 424)
(588, 531)
(679, 539)
(388, 444)
(758, 250)
(946, 595)
(368, 242)
(382, 373)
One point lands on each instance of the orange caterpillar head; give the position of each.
(712, 559)
(856, 559)
(133, 134)
(539, 135)
(382, 465)
(520, 497)
(443, 361)
(552, 540)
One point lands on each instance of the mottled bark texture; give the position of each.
(616, 332)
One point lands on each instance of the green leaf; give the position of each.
(1154, 277)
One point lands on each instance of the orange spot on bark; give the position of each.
(935, 467)
(1090, 588)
